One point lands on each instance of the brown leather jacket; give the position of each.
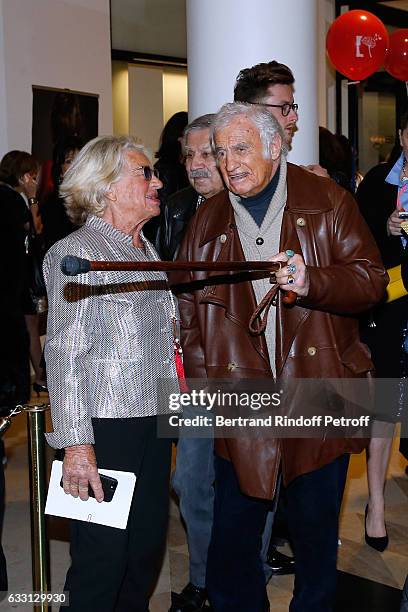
(317, 338)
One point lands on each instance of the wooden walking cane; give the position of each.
(71, 266)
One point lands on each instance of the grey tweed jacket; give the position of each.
(109, 347)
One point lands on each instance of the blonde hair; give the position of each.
(97, 166)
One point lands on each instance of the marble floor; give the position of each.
(361, 567)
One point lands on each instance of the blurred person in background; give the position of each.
(14, 346)
(169, 165)
(56, 223)
(333, 157)
(19, 171)
(382, 196)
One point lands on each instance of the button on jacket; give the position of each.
(109, 347)
(317, 338)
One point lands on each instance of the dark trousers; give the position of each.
(235, 579)
(115, 569)
(3, 566)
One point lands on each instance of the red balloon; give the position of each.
(396, 59)
(356, 44)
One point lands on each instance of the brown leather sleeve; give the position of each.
(356, 280)
(191, 341)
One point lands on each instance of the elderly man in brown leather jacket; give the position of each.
(274, 210)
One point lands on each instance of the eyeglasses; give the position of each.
(285, 108)
(147, 172)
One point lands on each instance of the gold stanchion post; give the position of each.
(39, 544)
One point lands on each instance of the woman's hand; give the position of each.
(295, 271)
(29, 185)
(36, 217)
(394, 224)
(78, 470)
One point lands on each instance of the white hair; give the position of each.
(262, 119)
(97, 166)
(200, 123)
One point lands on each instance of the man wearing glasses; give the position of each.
(271, 85)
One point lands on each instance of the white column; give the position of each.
(326, 73)
(224, 36)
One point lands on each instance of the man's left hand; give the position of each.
(294, 271)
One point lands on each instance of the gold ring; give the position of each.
(291, 280)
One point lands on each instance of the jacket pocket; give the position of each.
(357, 359)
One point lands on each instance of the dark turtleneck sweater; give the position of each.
(257, 205)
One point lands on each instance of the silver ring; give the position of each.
(289, 253)
(291, 280)
(292, 268)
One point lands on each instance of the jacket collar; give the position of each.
(106, 229)
(218, 224)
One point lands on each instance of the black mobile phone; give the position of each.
(403, 214)
(109, 485)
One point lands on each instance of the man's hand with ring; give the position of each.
(293, 276)
(79, 470)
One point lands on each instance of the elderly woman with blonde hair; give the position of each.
(110, 355)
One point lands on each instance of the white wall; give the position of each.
(146, 105)
(175, 97)
(53, 43)
(120, 97)
(149, 26)
(144, 99)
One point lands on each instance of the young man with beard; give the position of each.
(272, 85)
